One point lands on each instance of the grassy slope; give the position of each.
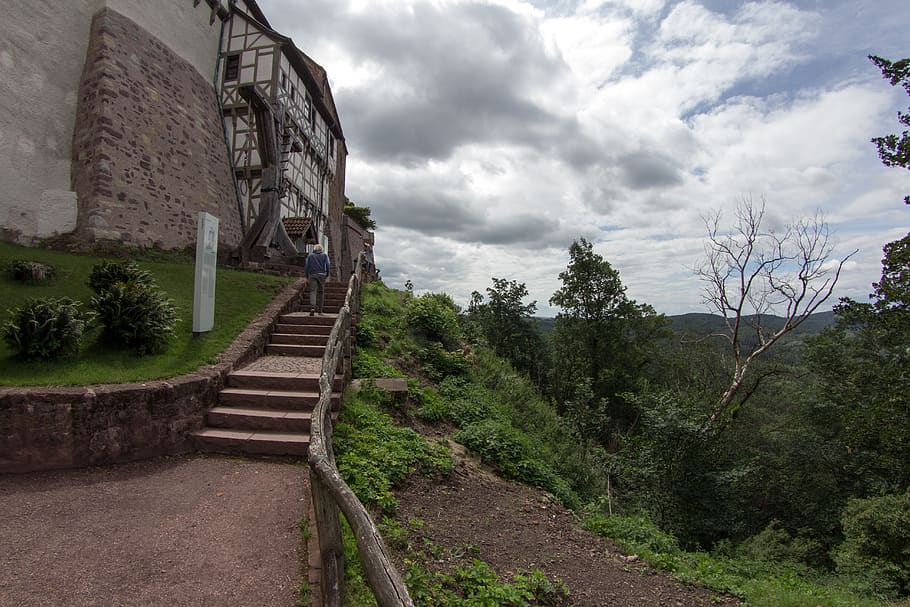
(502, 394)
(239, 296)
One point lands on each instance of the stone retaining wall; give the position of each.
(71, 427)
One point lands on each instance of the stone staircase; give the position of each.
(266, 407)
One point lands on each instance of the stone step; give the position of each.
(273, 420)
(300, 339)
(270, 380)
(304, 318)
(327, 308)
(245, 442)
(273, 399)
(295, 350)
(321, 330)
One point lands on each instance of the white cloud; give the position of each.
(486, 135)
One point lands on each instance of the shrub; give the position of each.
(776, 544)
(108, 273)
(876, 546)
(635, 533)
(439, 364)
(31, 271)
(369, 364)
(366, 334)
(434, 316)
(498, 443)
(45, 328)
(136, 315)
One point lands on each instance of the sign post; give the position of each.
(204, 285)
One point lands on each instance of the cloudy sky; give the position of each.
(487, 135)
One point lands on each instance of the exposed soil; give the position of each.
(517, 527)
(182, 531)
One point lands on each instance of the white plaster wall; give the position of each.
(42, 52)
(185, 29)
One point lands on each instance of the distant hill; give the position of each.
(706, 324)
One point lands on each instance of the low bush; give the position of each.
(439, 364)
(635, 533)
(476, 584)
(876, 547)
(31, 271)
(109, 273)
(45, 328)
(136, 315)
(434, 317)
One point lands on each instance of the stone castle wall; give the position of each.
(52, 428)
(148, 146)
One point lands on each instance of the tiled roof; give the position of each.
(296, 226)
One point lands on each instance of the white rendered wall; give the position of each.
(42, 51)
(183, 28)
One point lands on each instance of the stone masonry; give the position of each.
(148, 148)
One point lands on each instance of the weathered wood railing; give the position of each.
(331, 493)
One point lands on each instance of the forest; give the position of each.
(777, 437)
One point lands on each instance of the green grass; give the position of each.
(757, 583)
(239, 296)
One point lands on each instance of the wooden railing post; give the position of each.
(331, 494)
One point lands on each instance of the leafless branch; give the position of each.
(750, 273)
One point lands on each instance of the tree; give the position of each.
(750, 272)
(892, 149)
(361, 215)
(602, 342)
(508, 327)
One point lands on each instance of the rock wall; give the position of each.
(148, 145)
(50, 428)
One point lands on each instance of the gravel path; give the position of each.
(192, 531)
(286, 364)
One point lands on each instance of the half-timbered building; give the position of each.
(304, 182)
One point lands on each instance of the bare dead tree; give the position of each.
(751, 272)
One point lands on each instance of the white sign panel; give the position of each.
(204, 288)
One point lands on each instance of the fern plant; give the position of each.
(31, 271)
(136, 315)
(45, 328)
(108, 273)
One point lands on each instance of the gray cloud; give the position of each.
(645, 170)
(434, 213)
(447, 76)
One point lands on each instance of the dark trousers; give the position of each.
(317, 292)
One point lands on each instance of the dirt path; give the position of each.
(517, 527)
(178, 531)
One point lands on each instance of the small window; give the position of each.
(331, 145)
(293, 93)
(284, 81)
(231, 67)
(307, 108)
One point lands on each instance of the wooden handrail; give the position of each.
(331, 494)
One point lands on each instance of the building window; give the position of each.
(284, 81)
(307, 108)
(293, 93)
(231, 67)
(331, 146)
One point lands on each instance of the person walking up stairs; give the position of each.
(317, 269)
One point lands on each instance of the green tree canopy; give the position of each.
(894, 150)
(508, 327)
(602, 341)
(359, 214)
